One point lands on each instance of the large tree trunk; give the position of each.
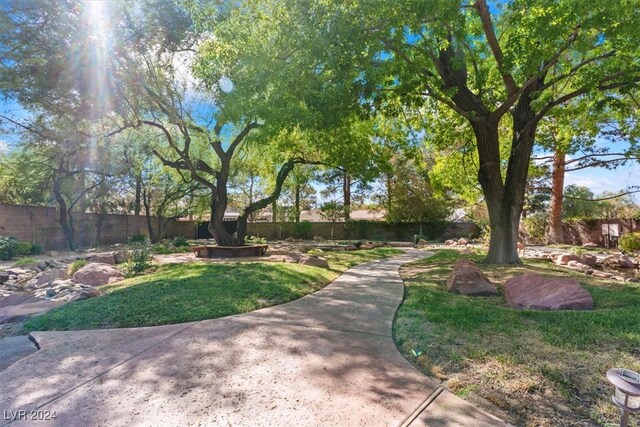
(137, 203)
(297, 204)
(147, 212)
(555, 234)
(274, 211)
(346, 191)
(504, 219)
(65, 218)
(283, 173)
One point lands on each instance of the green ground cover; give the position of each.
(177, 293)
(541, 367)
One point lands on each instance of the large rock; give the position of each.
(104, 258)
(121, 256)
(4, 277)
(618, 260)
(314, 261)
(468, 279)
(51, 275)
(85, 293)
(589, 259)
(95, 274)
(563, 259)
(535, 291)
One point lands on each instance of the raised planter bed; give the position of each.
(229, 251)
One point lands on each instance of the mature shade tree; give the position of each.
(583, 135)
(483, 60)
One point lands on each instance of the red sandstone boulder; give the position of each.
(103, 258)
(468, 279)
(449, 242)
(97, 274)
(314, 261)
(540, 293)
(563, 259)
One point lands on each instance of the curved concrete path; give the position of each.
(327, 359)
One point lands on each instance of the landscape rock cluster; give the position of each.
(457, 242)
(50, 280)
(589, 264)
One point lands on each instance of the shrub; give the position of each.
(22, 248)
(254, 240)
(302, 230)
(36, 249)
(25, 261)
(161, 249)
(76, 265)
(179, 242)
(535, 227)
(630, 242)
(7, 248)
(139, 260)
(137, 238)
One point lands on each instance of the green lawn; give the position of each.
(541, 367)
(177, 293)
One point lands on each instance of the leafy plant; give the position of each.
(630, 242)
(25, 261)
(302, 229)
(161, 249)
(7, 247)
(22, 248)
(139, 260)
(137, 238)
(36, 249)
(255, 240)
(76, 265)
(535, 227)
(179, 242)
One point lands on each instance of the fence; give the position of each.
(40, 225)
(372, 230)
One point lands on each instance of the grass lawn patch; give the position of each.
(541, 367)
(177, 293)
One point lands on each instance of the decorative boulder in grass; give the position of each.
(95, 274)
(314, 261)
(534, 291)
(468, 279)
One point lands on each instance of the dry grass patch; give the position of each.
(540, 367)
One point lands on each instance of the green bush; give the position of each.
(36, 249)
(25, 261)
(22, 248)
(630, 242)
(254, 240)
(137, 238)
(139, 260)
(302, 230)
(7, 247)
(535, 227)
(76, 265)
(179, 242)
(161, 249)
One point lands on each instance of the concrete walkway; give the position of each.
(327, 359)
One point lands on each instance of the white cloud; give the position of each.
(4, 146)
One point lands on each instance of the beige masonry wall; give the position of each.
(40, 225)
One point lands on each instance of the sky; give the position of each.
(597, 179)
